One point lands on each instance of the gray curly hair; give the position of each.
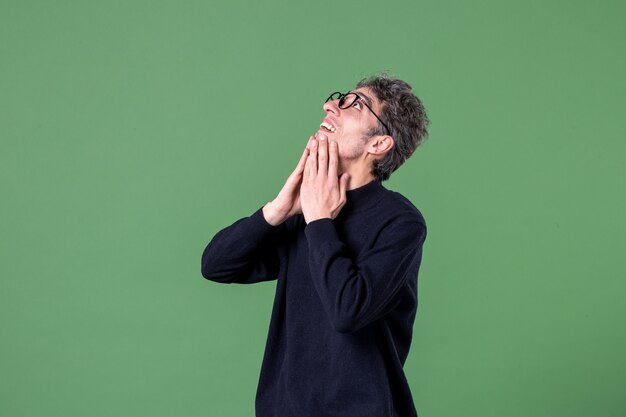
(404, 114)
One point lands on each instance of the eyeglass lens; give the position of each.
(345, 100)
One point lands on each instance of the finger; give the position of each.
(312, 160)
(333, 160)
(305, 174)
(322, 156)
(300, 166)
(302, 161)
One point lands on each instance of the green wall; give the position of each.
(131, 132)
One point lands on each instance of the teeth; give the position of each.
(329, 127)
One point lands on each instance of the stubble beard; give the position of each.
(346, 160)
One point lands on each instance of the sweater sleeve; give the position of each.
(356, 292)
(245, 252)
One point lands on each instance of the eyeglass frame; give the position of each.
(342, 99)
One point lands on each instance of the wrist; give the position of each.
(271, 215)
(317, 216)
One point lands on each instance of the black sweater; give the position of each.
(345, 303)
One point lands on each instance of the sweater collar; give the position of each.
(363, 197)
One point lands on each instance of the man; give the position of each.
(346, 253)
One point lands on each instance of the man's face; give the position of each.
(349, 126)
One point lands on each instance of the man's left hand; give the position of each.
(322, 193)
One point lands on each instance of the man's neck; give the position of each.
(358, 179)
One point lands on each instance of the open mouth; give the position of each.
(328, 127)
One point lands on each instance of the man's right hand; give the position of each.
(287, 202)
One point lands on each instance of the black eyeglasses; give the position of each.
(348, 100)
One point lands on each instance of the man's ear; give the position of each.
(381, 145)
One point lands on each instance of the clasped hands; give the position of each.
(314, 188)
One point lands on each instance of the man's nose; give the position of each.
(331, 107)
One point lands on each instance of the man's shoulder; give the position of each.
(401, 207)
